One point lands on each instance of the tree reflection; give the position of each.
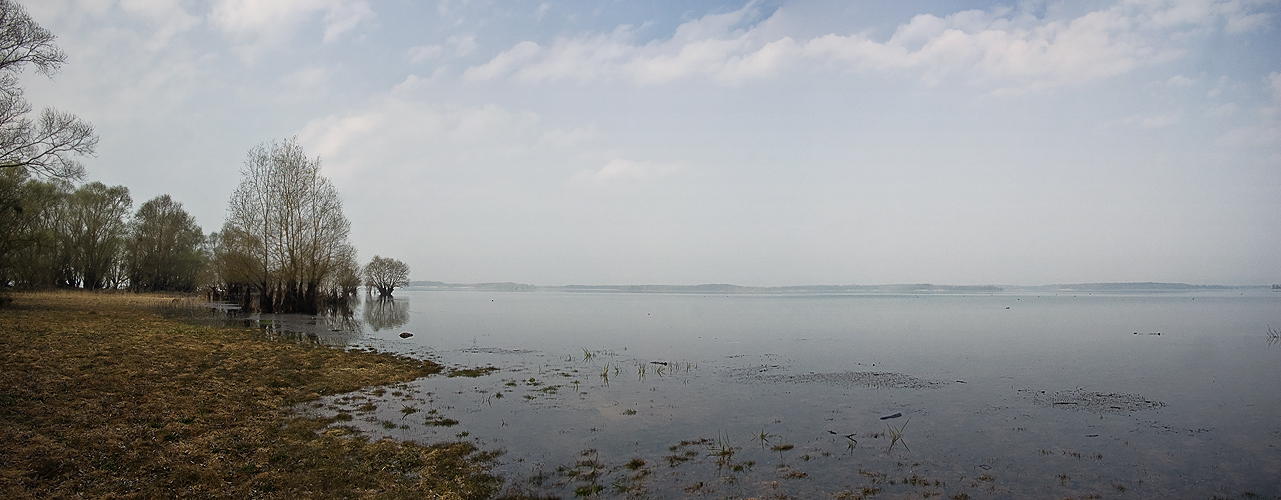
(382, 313)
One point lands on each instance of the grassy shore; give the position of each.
(101, 396)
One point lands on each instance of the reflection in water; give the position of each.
(383, 313)
(335, 324)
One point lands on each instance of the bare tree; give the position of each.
(49, 145)
(285, 232)
(386, 275)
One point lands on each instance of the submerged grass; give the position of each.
(102, 397)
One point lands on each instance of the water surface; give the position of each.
(998, 396)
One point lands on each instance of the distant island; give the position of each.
(911, 288)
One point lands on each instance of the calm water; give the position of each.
(1000, 396)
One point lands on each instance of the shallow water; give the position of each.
(1000, 396)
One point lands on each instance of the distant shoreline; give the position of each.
(921, 288)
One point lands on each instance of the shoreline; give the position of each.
(104, 396)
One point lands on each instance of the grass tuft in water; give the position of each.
(896, 436)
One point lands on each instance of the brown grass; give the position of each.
(102, 397)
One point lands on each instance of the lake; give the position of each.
(1006, 395)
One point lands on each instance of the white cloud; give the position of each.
(1145, 122)
(422, 53)
(503, 63)
(309, 78)
(562, 138)
(463, 45)
(267, 24)
(167, 16)
(1180, 81)
(1252, 136)
(619, 171)
(1227, 109)
(1158, 121)
(399, 134)
(1001, 47)
(1274, 84)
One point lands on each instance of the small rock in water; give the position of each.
(896, 415)
(405, 335)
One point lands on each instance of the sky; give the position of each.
(756, 143)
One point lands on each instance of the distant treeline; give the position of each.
(709, 288)
(917, 288)
(1133, 287)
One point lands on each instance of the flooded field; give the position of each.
(616, 395)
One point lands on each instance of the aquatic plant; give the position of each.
(763, 437)
(438, 421)
(896, 436)
(588, 355)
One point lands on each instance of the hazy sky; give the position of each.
(760, 143)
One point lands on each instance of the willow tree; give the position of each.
(164, 250)
(95, 229)
(386, 274)
(33, 251)
(285, 236)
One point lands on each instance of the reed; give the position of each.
(896, 436)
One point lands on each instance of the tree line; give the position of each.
(54, 235)
(283, 248)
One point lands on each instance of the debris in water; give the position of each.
(896, 415)
(1096, 401)
(405, 335)
(849, 379)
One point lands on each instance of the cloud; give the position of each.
(167, 16)
(504, 62)
(1274, 84)
(1002, 47)
(422, 53)
(396, 134)
(463, 45)
(620, 171)
(266, 25)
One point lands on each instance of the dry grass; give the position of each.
(101, 397)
